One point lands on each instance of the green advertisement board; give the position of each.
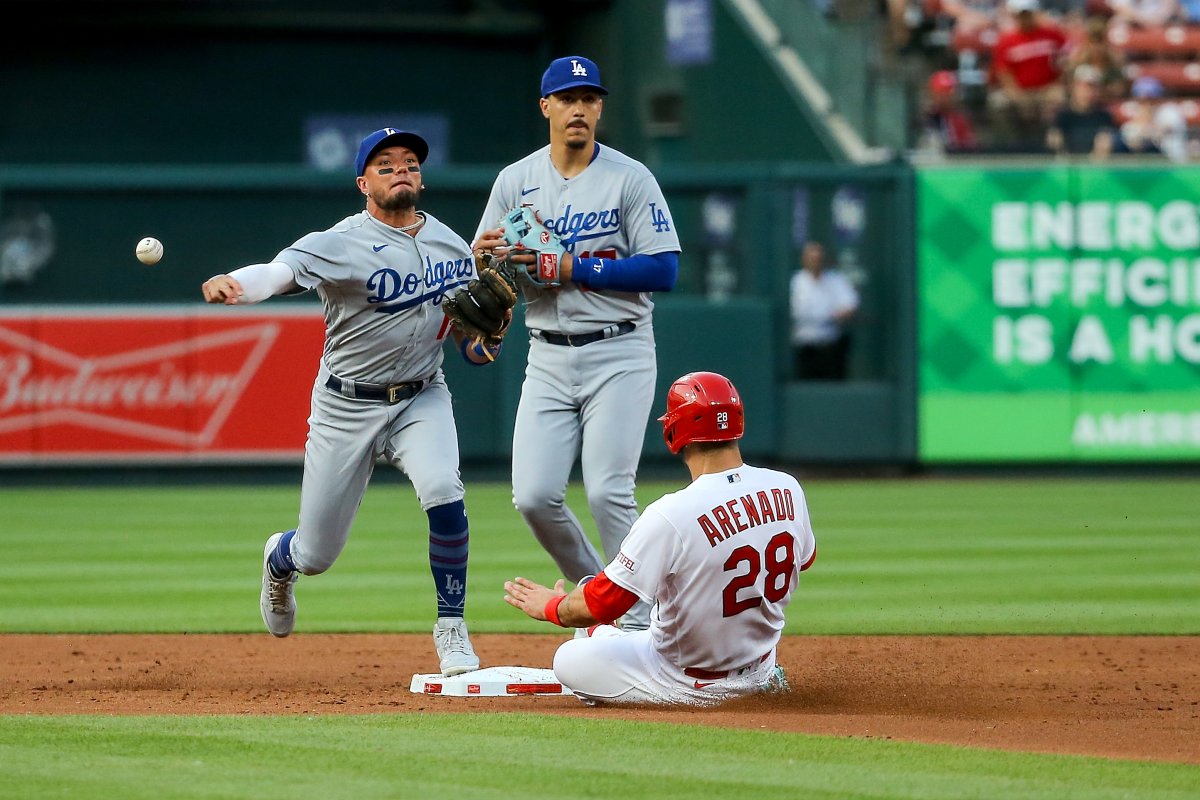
(1058, 314)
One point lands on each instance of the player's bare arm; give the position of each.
(532, 598)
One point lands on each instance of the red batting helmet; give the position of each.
(702, 407)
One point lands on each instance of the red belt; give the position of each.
(709, 675)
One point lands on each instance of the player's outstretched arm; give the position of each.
(552, 605)
(530, 596)
(250, 284)
(594, 601)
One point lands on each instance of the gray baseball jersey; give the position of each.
(382, 291)
(613, 209)
(590, 402)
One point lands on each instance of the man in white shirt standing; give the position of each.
(823, 301)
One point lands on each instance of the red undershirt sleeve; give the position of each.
(606, 600)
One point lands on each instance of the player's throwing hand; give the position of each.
(222, 289)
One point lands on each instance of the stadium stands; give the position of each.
(1124, 109)
(1177, 77)
(1169, 53)
(1174, 41)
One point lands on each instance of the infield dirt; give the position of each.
(1117, 697)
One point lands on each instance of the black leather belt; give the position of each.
(390, 393)
(580, 339)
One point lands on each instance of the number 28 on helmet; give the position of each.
(702, 407)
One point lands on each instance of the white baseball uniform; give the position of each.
(593, 401)
(721, 559)
(382, 291)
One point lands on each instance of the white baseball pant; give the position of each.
(616, 666)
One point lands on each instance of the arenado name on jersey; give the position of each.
(754, 511)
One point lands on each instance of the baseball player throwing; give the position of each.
(720, 557)
(379, 392)
(589, 383)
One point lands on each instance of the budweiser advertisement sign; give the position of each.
(127, 384)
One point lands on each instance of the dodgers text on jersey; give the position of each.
(572, 226)
(401, 292)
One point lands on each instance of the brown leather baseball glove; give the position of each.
(481, 309)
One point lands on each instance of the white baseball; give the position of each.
(149, 250)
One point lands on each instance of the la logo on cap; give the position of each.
(578, 69)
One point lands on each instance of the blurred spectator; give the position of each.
(1155, 126)
(899, 22)
(971, 15)
(1085, 126)
(946, 128)
(1026, 67)
(910, 23)
(1144, 13)
(823, 301)
(1096, 50)
(1068, 12)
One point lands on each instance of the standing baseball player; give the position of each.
(382, 275)
(589, 383)
(720, 557)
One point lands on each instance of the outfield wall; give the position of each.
(1011, 314)
(1059, 314)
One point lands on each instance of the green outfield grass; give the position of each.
(518, 756)
(894, 556)
(1052, 555)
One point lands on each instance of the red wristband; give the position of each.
(551, 609)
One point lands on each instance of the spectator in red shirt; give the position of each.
(1027, 73)
(946, 128)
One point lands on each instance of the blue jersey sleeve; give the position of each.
(638, 273)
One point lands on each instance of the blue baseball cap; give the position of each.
(385, 137)
(569, 72)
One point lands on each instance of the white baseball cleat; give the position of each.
(277, 600)
(454, 647)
